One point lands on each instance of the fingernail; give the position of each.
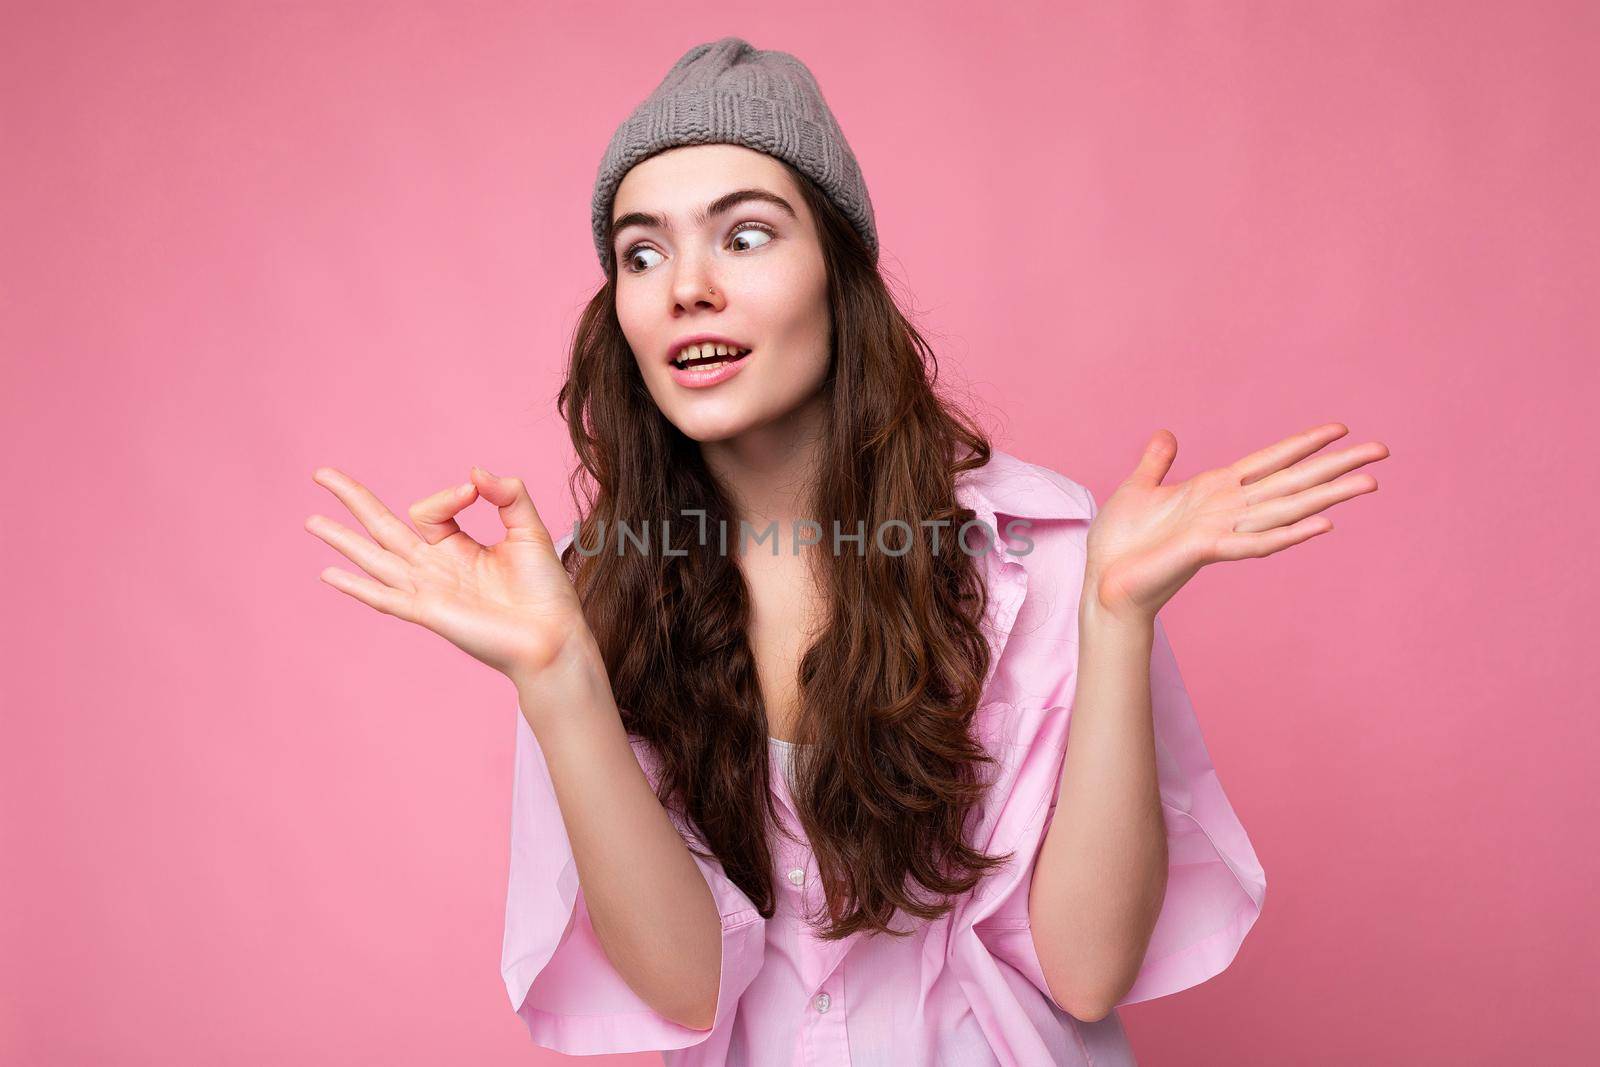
(467, 488)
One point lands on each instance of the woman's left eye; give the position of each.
(754, 228)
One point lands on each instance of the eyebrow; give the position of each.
(720, 205)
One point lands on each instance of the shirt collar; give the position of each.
(1009, 486)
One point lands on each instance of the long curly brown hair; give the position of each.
(888, 776)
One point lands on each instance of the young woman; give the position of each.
(810, 799)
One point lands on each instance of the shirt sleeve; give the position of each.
(1215, 884)
(557, 975)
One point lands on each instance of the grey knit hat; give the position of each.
(729, 92)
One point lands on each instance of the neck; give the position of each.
(768, 473)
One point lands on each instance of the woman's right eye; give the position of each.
(633, 254)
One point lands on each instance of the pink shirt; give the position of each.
(967, 989)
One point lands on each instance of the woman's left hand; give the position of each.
(1148, 539)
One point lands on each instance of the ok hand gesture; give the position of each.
(509, 605)
(1149, 539)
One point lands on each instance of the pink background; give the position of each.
(246, 819)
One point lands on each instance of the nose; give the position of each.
(695, 286)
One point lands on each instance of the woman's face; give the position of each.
(695, 257)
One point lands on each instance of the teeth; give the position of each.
(707, 351)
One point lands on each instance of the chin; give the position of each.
(708, 420)
(712, 431)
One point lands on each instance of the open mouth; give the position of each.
(705, 357)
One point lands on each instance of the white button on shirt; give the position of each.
(798, 876)
(823, 1000)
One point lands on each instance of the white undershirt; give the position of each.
(785, 751)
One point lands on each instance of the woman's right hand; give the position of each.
(509, 605)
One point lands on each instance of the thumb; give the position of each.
(1159, 452)
(517, 512)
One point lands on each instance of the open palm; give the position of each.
(509, 605)
(1149, 539)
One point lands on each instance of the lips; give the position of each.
(708, 374)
